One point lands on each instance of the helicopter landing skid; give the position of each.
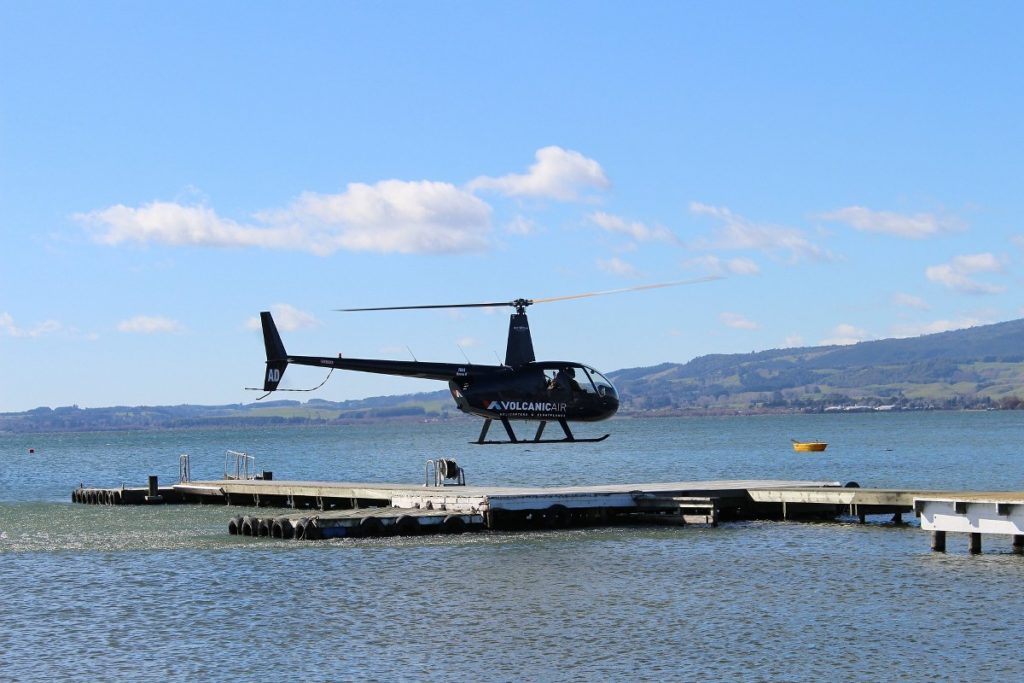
(569, 438)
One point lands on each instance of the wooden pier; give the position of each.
(320, 509)
(327, 509)
(333, 509)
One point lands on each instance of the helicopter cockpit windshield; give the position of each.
(601, 383)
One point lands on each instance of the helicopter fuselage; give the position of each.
(536, 391)
(541, 390)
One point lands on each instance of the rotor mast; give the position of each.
(519, 350)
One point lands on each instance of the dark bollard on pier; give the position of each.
(153, 495)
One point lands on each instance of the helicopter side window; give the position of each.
(567, 379)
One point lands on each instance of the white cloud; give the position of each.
(9, 329)
(520, 225)
(845, 334)
(978, 263)
(904, 300)
(737, 321)
(957, 274)
(793, 341)
(391, 216)
(178, 225)
(149, 324)
(737, 232)
(742, 266)
(557, 174)
(616, 266)
(467, 342)
(719, 266)
(935, 327)
(633, 229)
(287, 318)
(918, 226)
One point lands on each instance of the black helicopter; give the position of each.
(522, 388)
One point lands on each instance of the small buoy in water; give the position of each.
(31, 450)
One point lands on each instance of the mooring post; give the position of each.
(975, 543)
(939, 541)
(1018, 543)
(154, 490)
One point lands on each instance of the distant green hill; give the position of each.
(428, 406)
(979, 367)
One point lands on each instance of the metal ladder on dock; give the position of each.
(444, 469)
(242, 463)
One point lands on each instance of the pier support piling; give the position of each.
(1018, 543)
(939, 541)
(975, 543)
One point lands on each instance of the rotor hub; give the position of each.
(521, 305)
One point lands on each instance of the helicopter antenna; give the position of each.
(468, 361)
(412, 354)
(303, 390)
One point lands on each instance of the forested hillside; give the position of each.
(980, 367)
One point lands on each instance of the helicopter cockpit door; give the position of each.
(569, 381)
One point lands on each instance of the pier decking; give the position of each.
(323, 509)
(372, 509)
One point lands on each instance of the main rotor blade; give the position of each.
(409, 308)
(627, 289)
(523, 303)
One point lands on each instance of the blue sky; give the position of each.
(168, 170)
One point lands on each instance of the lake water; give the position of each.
(104, 593)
